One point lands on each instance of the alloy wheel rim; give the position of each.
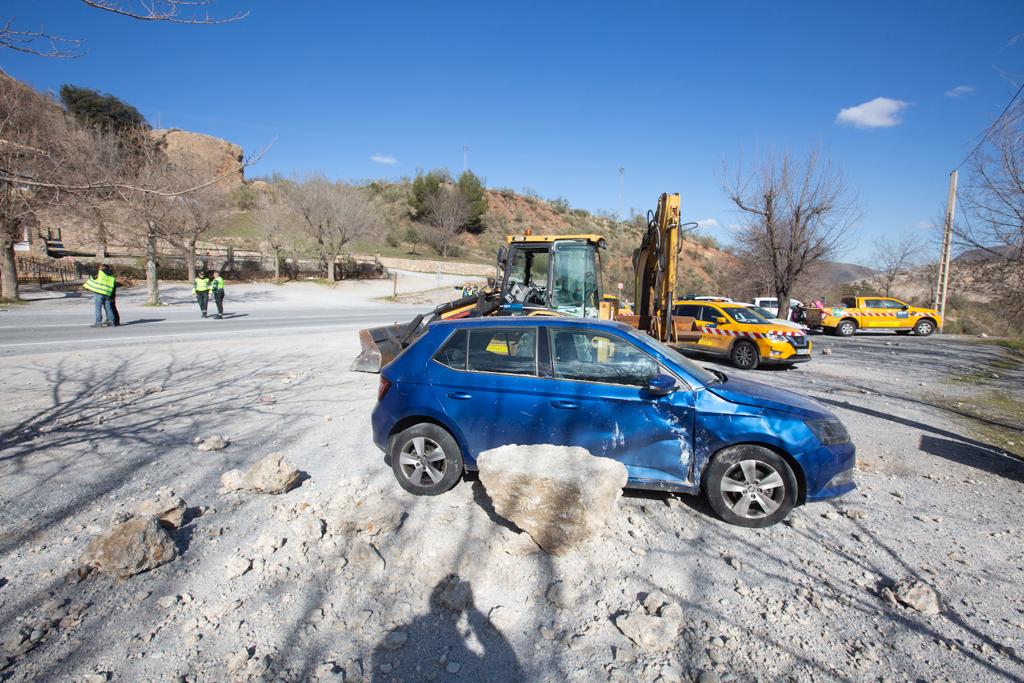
(421, 456)
(752, 489)
(744, 355)
(847, 328)
(925, 327)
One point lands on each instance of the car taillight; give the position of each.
(383, 388)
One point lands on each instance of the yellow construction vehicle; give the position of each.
(558, 275)
(536, 275)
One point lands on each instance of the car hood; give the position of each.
(749, 393)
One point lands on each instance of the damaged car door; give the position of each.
(601, 397)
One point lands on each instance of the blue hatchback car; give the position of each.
(466, 386)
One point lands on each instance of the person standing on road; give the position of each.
(113, 299)
(217, 287)
(202, 291)
(102, 288)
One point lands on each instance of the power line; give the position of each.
(988, 131)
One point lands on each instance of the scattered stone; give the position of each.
(237, 566)
(453, 667)
(657, 628)
(559, 495)
(367, 559)
(132, 547)
(395, 639)
(795, 522)
(168, 508)
(561, 594)
(918, 596)
(364, 508)
(212, 443)
(269, 543)
(273, 474)
(168, 601)
(826, 352)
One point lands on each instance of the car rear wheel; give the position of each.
(846, 328)
(750, 486)
(924, 327)
(745, 355)
(425, 459)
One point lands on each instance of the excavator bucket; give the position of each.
(381, 345)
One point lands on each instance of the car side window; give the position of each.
(507, 351)
(453, 353)
(874, 303)
(889, 303)
(710, 314)
(591, 356)
(687, 310)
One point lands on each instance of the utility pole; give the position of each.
(465, 158)
(947, 247)
(622, 184)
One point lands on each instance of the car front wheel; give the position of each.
(924, 327)
(750, 486)
(745, 355)
(425, 459)
(846, 328)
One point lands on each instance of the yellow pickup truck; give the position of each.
(873, 313)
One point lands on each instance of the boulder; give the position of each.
(273, 474)
(560, 495)
(132, 547)
(657, 627)
(168, 508)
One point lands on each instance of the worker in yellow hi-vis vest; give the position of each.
(202, 292)
(217, 287)
(102, 287)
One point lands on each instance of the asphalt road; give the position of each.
(42, 327)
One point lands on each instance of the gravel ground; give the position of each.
(454, 593)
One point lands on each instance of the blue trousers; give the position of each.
(102, 303)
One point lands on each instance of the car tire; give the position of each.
(924, 327)
(750, 486)
(745, 355)
(846, 328)
(425, 459)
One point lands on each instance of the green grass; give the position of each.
(241, 226)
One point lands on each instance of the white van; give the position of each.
(772, 304)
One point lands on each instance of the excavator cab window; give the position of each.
(528, 274)
(576, 278)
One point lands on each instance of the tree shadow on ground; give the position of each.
(454, 633)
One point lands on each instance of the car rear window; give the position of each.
(506, 351)
(453, 353)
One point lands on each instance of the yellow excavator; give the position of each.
(555, 275)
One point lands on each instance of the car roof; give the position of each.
(524, 320)
(704, 302)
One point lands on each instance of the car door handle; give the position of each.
(459, 395)
(568, 405)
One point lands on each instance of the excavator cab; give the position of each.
(546, 274)
(537, 275)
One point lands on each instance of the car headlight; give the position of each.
(830, 432)
(777, 337)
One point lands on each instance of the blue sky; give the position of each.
(558, 96)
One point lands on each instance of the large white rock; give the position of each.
(560, 495)
(273, 474)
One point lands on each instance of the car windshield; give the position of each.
(746, 316)
(697, 372)
(763, 312)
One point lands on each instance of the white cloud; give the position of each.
(385, 159)
(960, 91)
(708, 223)
(881, 112)
(924, 225)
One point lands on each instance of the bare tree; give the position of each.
(793, 215)
(447, 211)
(892, 258)
(333, 214)
(45, 44)
(992, 223)
(195, 214)
(272, 215)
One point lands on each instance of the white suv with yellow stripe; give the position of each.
(740, 334)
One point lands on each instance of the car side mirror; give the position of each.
(905, 307)
(722, 321)
(661, 385)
